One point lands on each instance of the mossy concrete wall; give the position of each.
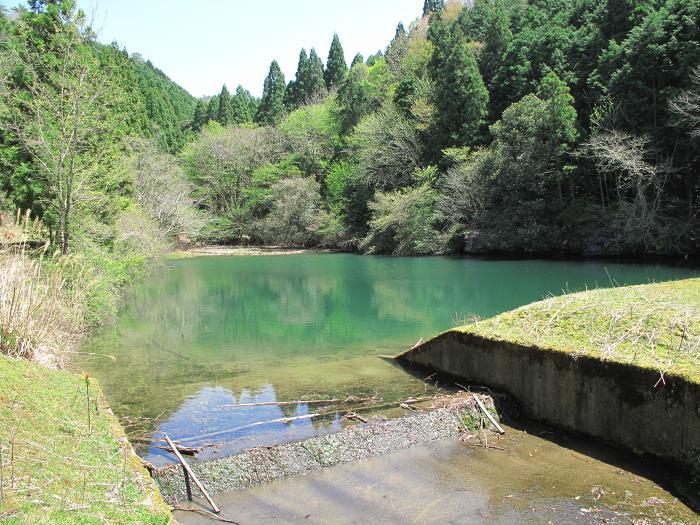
(615, 402)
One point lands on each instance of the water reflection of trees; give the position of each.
(303, 322)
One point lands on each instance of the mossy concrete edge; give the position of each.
(616, 402)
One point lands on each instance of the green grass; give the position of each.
(59, 468)
(653, 326)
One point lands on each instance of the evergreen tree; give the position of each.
(433, 6)
(314, 84)
(336, 67)
(355, 97)
(358, 59)
(461, 98)
(294, 95)
(213, 108)
(242, 106)
(223, 115)
(271, 109)
(200, 115)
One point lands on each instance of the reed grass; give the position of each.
(41, 313)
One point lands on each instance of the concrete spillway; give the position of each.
(619, 403)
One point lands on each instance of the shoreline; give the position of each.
(217, 251)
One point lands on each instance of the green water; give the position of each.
(210, 332)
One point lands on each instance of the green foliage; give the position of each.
(387, 149)
(213, 109)
(271, 109)
(403, 223)
(461, 98)
(244, 106)
(200, 115)
(357, 59)
(312, 133)
(314, 84)
(293, 218)
(338, 181)
(532, 142)
(295, 94)
(396, 51)
(336, 67)
(528, 126)
(223, 114)
(362, 92)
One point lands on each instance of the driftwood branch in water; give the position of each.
(488, 415)
(355, 417)
(189, 472)
(258, 423)
(187, 451)
(347, 400)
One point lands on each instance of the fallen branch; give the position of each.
(355, 417)
(205, 513)
(189, 472)
(350, 399)
(488, 415)
(187, 451)
(258, 423)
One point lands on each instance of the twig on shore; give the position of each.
(205, 513)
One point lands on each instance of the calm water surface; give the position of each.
(211, 332)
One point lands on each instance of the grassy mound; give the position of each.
(652, 326)
(64, 456)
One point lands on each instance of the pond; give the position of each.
(211, 332)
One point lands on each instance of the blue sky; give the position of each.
(202, 44)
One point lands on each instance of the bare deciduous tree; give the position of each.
(686, 106)
(639, 183)
(63, 116)
(164, 192)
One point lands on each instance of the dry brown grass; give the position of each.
(41, 317)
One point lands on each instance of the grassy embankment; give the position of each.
(63, 455)
(655, 326)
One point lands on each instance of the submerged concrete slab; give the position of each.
(532, 480)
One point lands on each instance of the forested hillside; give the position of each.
(499, 126)
(555, 126)
(86, 136)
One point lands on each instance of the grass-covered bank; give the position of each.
(65, 458)
(622, 365)
(654, 326)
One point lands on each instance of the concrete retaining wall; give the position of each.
(611, 401)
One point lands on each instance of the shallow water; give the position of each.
(211, 332)
(537, 476)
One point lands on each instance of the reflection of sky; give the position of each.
(208, 417)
